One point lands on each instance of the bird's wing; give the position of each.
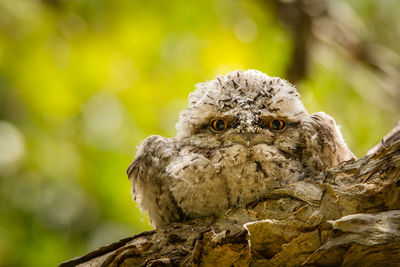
(150, 183)
(325, 140)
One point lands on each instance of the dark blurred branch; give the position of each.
(293, 16)
(311, 21)
(298, 16)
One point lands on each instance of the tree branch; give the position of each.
(348, 216)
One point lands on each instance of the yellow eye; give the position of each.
(277, 124)
(218, 125)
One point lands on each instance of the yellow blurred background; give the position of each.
(83, 82)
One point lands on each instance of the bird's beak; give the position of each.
(250, 139)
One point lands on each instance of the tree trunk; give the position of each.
(348, 216)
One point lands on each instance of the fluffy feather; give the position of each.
(202, 172)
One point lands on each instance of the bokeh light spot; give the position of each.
(12, 144)
(246, 30)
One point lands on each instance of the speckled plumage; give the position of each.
(201, 172)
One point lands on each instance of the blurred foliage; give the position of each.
(82, 82)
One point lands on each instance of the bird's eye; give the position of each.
(218, 125)
(277, 125)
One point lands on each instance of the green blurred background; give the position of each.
(83, 82)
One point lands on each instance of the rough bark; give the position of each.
(348, 216)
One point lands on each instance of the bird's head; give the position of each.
(243, 107)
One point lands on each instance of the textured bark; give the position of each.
(348, 216)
